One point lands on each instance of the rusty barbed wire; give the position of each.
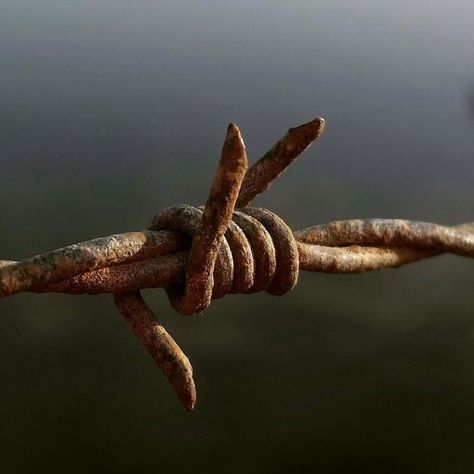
(202, 253)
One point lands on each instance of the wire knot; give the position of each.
(257, 252)
(234, 249)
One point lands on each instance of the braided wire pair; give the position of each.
(231, 252)
(201, 253)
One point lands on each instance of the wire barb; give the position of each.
(199, 254)
(160, 345)
(214, 222)
(277, 159)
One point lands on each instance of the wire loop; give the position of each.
(202, 253)
(258, 251)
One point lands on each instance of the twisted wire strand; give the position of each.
(167, 252)
(360, 245)
(202, 253)
(260, 255)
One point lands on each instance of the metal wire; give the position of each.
(199, 254)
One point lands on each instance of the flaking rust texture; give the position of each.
(160, 345)
(41, 270)
(197, 292)
(202, 253)
(277, 159)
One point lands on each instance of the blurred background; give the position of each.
(111, 110)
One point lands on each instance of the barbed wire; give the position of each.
(202, 253)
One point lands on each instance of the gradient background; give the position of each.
(112, 110)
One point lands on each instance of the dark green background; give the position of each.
(112, 110)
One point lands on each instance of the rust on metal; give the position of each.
(160, 345)
(202, 253)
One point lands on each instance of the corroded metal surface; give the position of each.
(66, 262)
(259, 177)
(198, 254)
(160, 345)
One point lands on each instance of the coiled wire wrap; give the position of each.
(199, 254)
(258, 251)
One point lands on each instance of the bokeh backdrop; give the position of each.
(111, 110)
